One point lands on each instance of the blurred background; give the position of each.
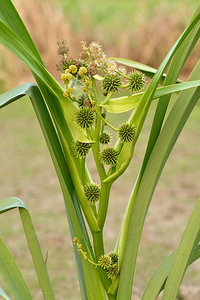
(140, 30)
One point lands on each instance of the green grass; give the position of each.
(34, 181)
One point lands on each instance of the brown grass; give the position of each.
(147, 42)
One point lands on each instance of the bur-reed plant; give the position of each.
(73, 120)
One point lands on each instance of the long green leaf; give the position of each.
(147, 70)
(11, 41)
(123, 104)
(3, 294)
(40, 267)
(158, 279)
(175, 122)
(183, 254)
(90, 283)
(11, 274)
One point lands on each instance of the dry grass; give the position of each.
(146, 43)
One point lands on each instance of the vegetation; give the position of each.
(72, 124)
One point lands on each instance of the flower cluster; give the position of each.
(109, 262)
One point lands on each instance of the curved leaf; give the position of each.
(11, 274)
(158, 279)
(183, 254)
(3, 294)
(161, 151)
(40, 267)
(89, 279)
(147, 70)
(123, 104)
(11, 41)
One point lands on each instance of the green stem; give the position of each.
(95, 146)
(104, 120)
(36, 254)
(99, 250)
(103, 206)
(83, 170)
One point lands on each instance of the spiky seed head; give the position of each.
(126, 132)
(104, 138)
(111, 83)
(113, 271)
(108, 156)
(137, 81)
(84, 117)
(114, 257)
(92, 193)
(105, 261)
(81, 149)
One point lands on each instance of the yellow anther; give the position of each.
(63, 77)
(65, 94)
(85, 89)
(73, 69)
(83, 69)
(69, 90)
(69, 76)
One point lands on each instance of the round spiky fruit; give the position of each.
(104, 261)
(137, 81)
(126, 132)
(114, 257)
(108, 156)
(92, 193)
(104, 138)
(111, 83)
(113, 271)
(84, 117)
(81, 149)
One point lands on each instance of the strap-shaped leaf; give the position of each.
(40, 267)
(157, 282)
(11, 274)
(173, 127)
(183, 254)
(123, 104)
(90, 283)
(3, 294)
(147, 70)
(11, 41)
